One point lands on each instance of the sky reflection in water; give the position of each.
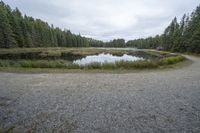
(106, 58)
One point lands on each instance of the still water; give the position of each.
(106, 58)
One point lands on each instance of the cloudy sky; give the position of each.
(107, 19)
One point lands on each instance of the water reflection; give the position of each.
(106, 58)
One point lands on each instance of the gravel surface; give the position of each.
(144, 102)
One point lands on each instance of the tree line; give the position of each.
(183, 36)
(17, 30)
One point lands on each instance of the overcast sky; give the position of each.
(107, 19)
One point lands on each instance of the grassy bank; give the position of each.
(114, 71)
(57, 51)
(160, 59)
(68, 65)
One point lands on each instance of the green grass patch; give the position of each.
(157, 59)
(171, 60)
(57, 51)
(146, 64)
(136, 65)
(43, 64)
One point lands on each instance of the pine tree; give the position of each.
(6, 40)
(194, 30)
(17, 23)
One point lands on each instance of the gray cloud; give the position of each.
(107, 19)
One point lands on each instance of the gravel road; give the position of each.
(145, 102)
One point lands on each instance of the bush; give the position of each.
(9, 63)
(25, 63)
(43, 64)
(4, 63)
(109, 66)
(171, 60)
(136, 64)
(73, 66)
(94, 65)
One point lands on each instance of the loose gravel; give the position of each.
(144, 102)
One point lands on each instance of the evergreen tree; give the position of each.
(22, 31)
(193, 30)
(6, 40)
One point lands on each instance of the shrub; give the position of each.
(59, 64)
(136, 64)
(109, 66)
(73, 66)
(171, 60)
(94, 65)
(4, 63)
(43, 64)
(25, 63)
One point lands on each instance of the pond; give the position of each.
(81, 56)
(106, 58)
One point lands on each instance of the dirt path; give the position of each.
(160, 101)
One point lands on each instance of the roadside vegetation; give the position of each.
(153, 59)
(94, 65)
(57, 51)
